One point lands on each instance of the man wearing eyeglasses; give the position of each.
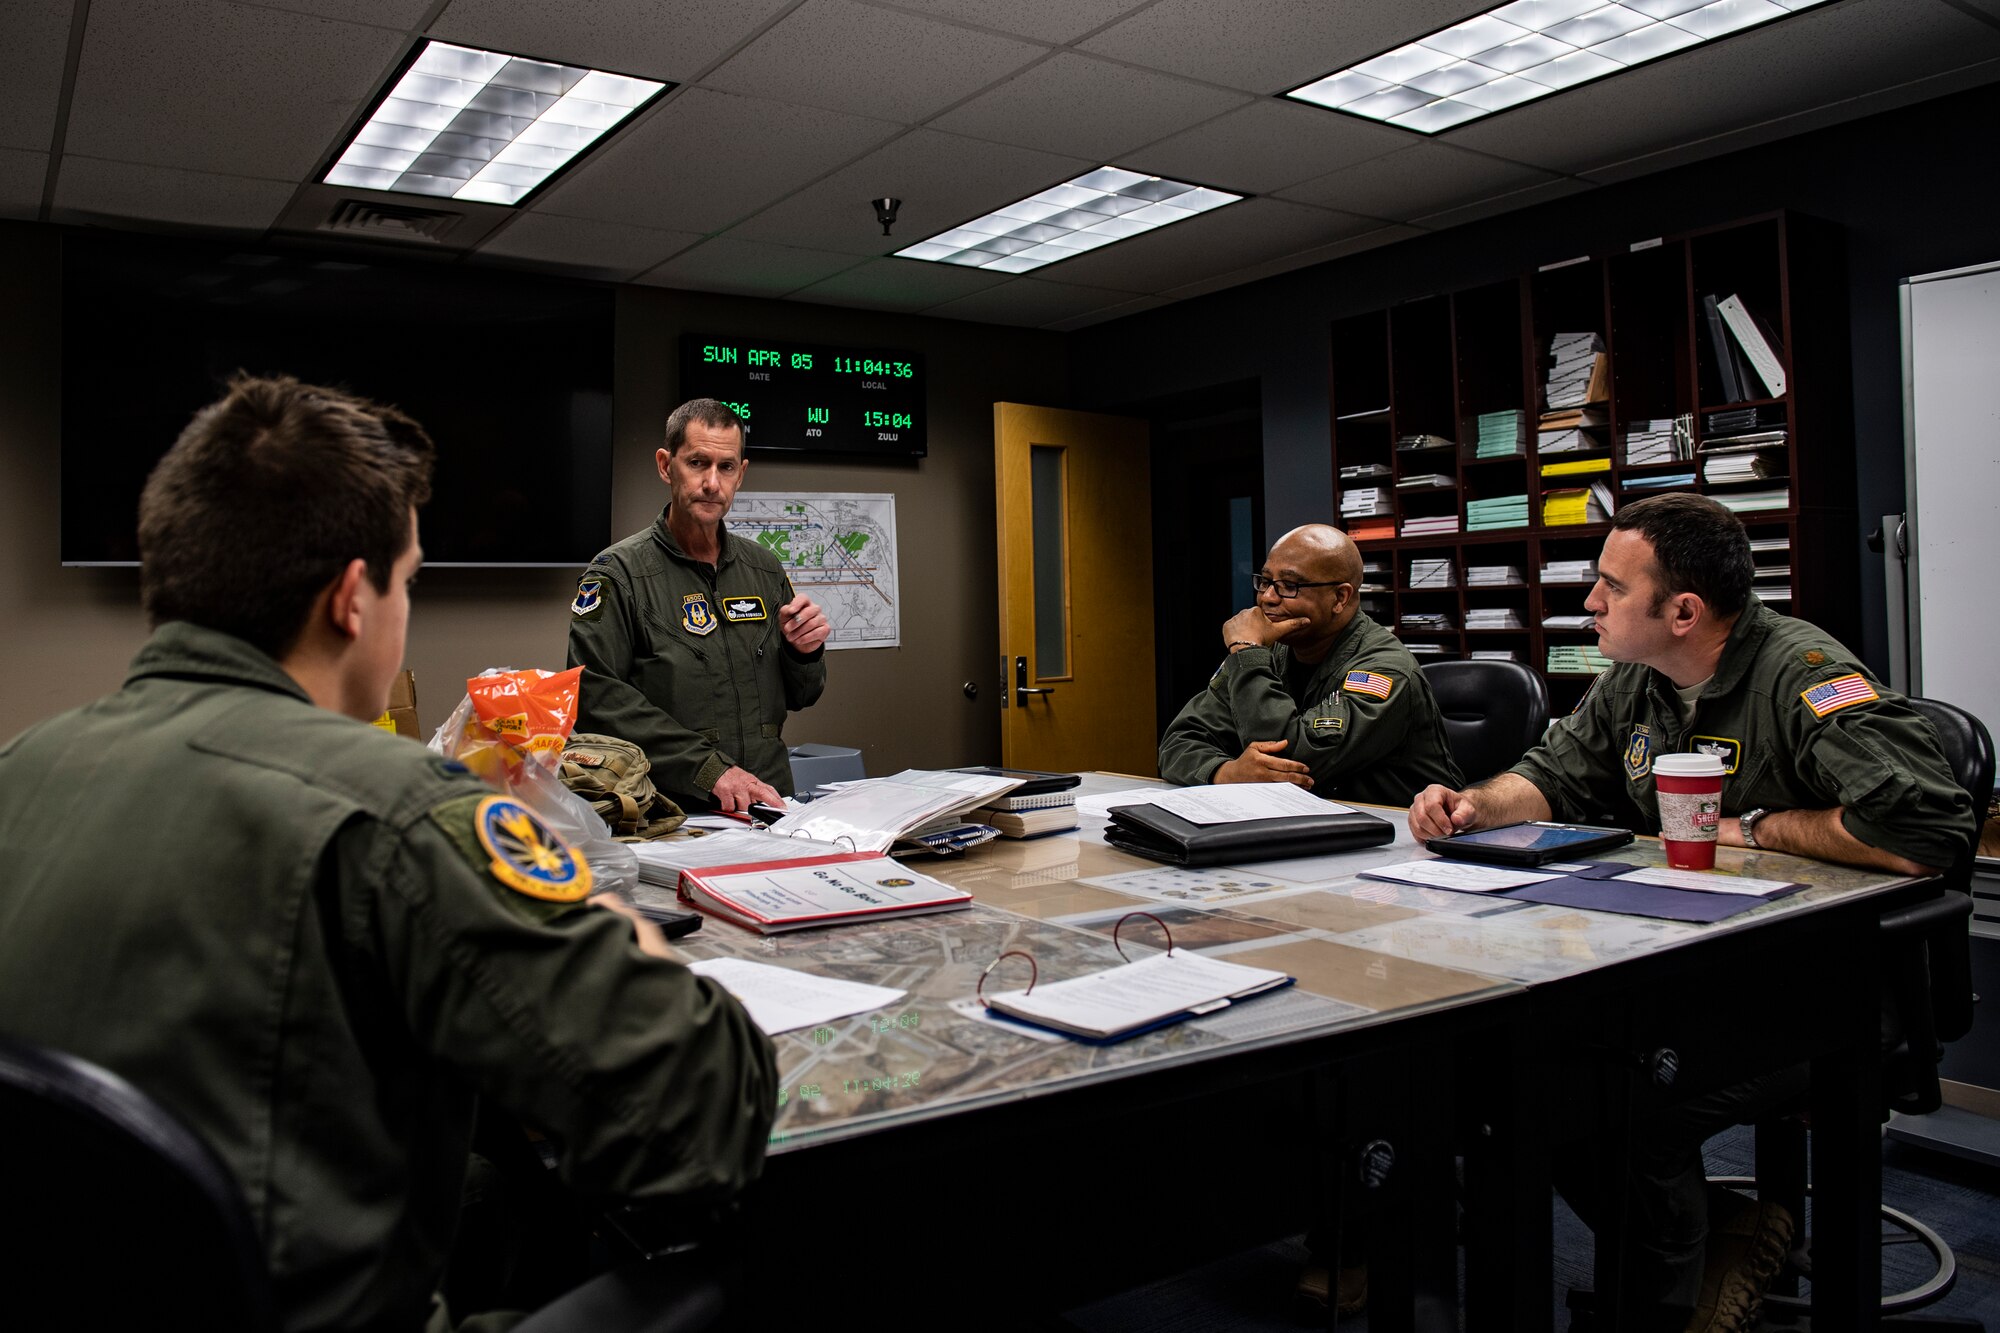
(1312, 692)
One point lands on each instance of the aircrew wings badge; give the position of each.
(528, 856)
(1367, 682)
(696, 617)
(742, 608)
(589, 598)
(1838, 693)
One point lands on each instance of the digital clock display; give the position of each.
(799, 397)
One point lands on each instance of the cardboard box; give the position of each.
(402, 715)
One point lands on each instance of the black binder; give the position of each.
(1149, 831)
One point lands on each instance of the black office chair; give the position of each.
(1927, 968)
(1494, 712)
(114, 1210)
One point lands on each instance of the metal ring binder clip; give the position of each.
(1033, 976)
(1121, 925)
(847, 838)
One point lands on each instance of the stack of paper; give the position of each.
(1428, 622)
(1418, 440)
(662, 860)
(1423, 481)
(1567, 440)
(1738, 420)
(1570, 571)
(1567, 659)
(1493, 617)
(1577, 365)
(1760, 545)
(872, 814)
(1576, 467)
(1422, 649)
(1369, 529)
(1499, 511)
(1741, 467)
(1659, 440)
(1658, 481)
(1432, 574)
(1755, 502)
(1363, 471)
(1493, 655)
(1567, 507)
(1559, 621)
(1427, 527)
(1502, 434)
(1493, 576)
(1365, 502)
(1375, 576)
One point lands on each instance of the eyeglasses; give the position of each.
(1287, 588)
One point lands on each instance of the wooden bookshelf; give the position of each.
(1435, 365)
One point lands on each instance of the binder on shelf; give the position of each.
(1161, 835)
(1726, 364)
(771, 897)
(1758, 343)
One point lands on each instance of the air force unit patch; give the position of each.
(1639, 752)
(527, 855)
(1367, 682)
(696, 617)
(589, 598)
(742, 608)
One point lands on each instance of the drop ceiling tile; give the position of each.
(942, 179)
(640, 37)
(1318, 254)
(211, 86)
(1057, 21)
(703, 160)
(1423, 178)
(1132, 307)
(605, 250)
(1211, 244)
(89, 188)
(1267, 146)
(1502, 203)
(870, 62)
(1271, 46)
(746, 268)
(1806, 60)
(1029, 302)
(21, 177)
(1096, 108)
(36, 40)
(908, 285)
(403, 15)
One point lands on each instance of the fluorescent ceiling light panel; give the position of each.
(468, 124)
(1097, 208)
(1516, 53)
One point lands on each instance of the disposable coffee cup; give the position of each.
(1689, 788)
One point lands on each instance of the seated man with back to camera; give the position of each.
(692, 641)
(1820, 761)
(1313, 692)
(320, 945)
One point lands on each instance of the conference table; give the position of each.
(956, 1158)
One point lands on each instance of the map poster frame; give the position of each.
(838, 548)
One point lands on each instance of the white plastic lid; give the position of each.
(1688, 765)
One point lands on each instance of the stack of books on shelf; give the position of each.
(1416, 440)
(1576, 467)
(1027, 816)
(1423, 648)
(1375, 576)
(1366, 502)
(1433, 526)
(1493, 617)
(1494, 576)
(1564, 508)
(1493, 655)
(1659, 440)
(1578, 373)
(1743, 420)
(1773, 583)
(1428, 622)
(1576, 659)
(1755, 502)
(1566, 440)
(1369, 529)
(1498, 511)
(1752, 466)
(1502, 434)
(1426, 481)
(1432, 574)
(1748, 355)
(1364, 471)
(1570, 571)
(1559, 621)
(1658, 481)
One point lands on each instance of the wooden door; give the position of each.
(1074, 509)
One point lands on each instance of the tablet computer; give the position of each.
(1529, 844)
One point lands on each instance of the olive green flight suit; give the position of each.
(1875, 757)
(686, 660)
(1359, 745)
(282, 924)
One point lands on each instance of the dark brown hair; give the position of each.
(1698, 547)
(266, 497)
(709, 412)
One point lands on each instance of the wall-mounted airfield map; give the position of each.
(840, 550)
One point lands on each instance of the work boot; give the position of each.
(1747, 1241)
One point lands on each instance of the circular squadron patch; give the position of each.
(529, 856)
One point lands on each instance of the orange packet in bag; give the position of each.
(530, 712)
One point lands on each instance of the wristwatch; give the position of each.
(1748, 823)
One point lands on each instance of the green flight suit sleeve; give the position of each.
(603, 642)
(652, 1081)
(1576, 767)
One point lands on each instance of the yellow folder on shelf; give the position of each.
(1572, 466)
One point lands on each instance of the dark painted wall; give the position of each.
(1906, 187)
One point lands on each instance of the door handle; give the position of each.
(1021, 687)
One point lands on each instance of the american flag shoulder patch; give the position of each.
(1367, 682)
(1838, 693)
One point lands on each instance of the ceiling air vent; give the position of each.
(361, 217)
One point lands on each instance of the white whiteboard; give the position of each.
(1951, 407)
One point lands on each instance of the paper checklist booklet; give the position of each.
(870, 815)
(1238, 823)
(1122, 1002)
(774, 896)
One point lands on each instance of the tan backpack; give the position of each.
(611, 775)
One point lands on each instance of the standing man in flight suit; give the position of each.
(1312, 692)
(320, 945)
(692, 641)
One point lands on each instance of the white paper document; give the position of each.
(1100, 803)
(1235, 802)
(1706, 881)
(869, 816)
(781, 1000)
(1137, 995)
(661, 861)
(1459, 875)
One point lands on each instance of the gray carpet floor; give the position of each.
(1251, 1292)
